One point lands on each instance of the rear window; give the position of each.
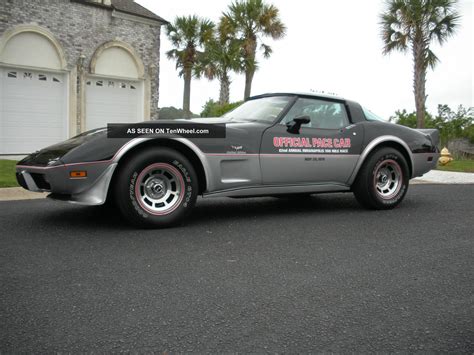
(370, 116)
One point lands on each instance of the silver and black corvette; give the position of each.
(275, 144)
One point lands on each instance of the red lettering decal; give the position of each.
(276, 142)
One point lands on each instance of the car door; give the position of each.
(325, 150)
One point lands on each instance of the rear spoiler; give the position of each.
(432, 134)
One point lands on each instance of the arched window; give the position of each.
(117, 59)
(18, 43)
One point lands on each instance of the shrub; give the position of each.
(451, 124)
(172, 113)
(215, 109)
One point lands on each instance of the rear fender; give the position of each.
(373, 145)
(432, 134)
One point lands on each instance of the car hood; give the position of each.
(51, 155)
(205, 120)
(208, 120)
(94, 144)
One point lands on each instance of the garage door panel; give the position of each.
(125, 103)
(12, 146)
(27, 138)
(39, 127)
(33, 110)
(113, 101)
(119, 108)
(35, 96)
(33, 115)
(125, 111)
(18, 93)
(35, 107)
(36, 112)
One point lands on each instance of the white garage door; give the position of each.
(32, 110)
(113, 101)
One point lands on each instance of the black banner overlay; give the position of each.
(157, 129)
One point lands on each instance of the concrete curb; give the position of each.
(445, 177)
(19, 193)
(418, 181)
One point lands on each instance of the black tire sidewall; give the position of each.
(375, 160)
(127, 178)
(364, 188)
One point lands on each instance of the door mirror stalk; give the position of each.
(295, 124)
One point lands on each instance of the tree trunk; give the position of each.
(248, 82)
(419, 82)
(224, 90)
(250, 50)
(187, 93)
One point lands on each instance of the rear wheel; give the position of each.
(383, 180)
(156, 188)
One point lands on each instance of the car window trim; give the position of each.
(285, 109)
(342, 102)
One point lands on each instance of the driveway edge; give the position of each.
(19, 193)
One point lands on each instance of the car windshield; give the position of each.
(372, 116)
(265, 109)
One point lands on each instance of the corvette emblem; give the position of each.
(236, 149)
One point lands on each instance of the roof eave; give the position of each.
(161, 21)
(157, 18)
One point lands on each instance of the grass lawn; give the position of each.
(7, 173)
(465, 166)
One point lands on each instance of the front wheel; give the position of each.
(156, 188)
(383, 180)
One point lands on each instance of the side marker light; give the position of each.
(78, 174)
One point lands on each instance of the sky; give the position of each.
(333, 47)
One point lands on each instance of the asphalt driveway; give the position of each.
(248, 275)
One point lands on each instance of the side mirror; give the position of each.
(294, 125)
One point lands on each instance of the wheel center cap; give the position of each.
(155, 188)
(383, 179)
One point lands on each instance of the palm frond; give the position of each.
(431, 59)
(422, 21)
(188, 35)
(267, 50)
(246, 20)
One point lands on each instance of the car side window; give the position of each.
(323, 114)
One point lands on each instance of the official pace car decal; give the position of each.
(319, 145)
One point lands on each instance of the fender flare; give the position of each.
(373, 145)
(138, 141)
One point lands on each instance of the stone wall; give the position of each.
(81, 29)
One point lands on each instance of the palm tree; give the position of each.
(188, 35)
(249, 20)
(414, 25)
(222, 55)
